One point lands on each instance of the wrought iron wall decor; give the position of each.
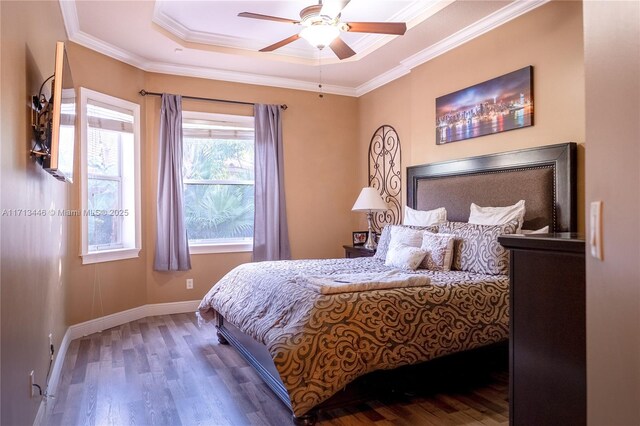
(385, 174)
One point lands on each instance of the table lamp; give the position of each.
(369, 201)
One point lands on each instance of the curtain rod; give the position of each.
(145, 93)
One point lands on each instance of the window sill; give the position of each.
(109, 255)
(221, 248)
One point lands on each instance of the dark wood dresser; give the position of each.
(547, 348)
(357, 251)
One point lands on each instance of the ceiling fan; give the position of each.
(322, 26)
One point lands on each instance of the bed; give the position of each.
(308, 345)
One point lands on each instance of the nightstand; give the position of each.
(357, 251)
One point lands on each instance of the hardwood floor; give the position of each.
(165, 370)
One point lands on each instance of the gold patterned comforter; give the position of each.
(320, 343)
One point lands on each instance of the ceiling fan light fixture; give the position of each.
(321, 27)
(320, 35)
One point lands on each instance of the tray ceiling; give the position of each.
(207, 38)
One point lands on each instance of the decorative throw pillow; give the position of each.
(497, 215)
(476, 247)
(424, 218)
(385, 238)
(439, 249)
(404, 256)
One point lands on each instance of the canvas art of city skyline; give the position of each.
(497, 105)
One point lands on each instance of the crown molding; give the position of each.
(247, 78)
(121, 55)
(381, 80)
(108, 49)
(182, 32)
(74, 34)
(501, 16)
(69, 17)
(488, 23)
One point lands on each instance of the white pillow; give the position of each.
(424, 218)
(404, 256)
(404, 235)
(439, 251)
(497, 215)
(544, 230)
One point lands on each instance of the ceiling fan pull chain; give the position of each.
(320, 95)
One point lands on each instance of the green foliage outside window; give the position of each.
(103, 186)
(218, 190)
(219, 211)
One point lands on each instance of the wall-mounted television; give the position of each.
(55, 121)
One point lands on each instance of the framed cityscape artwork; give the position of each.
(497, 105)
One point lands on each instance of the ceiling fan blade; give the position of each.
(280, 43)
(266, 17)
(341, 49)
(332, 8)
(397, 28)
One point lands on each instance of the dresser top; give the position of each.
(560, 241)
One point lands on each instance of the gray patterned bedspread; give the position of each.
(320, 343)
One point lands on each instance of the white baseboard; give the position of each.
(98, 324)
(119, 318)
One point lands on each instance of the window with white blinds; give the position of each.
(218, 179)
(110, 177)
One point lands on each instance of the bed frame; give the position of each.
(544, 177)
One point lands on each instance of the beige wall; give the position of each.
(101, 289)
(549, 38)
(320, 179)
(35, 252)
(612, 66)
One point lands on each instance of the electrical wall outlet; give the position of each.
(189, 283)
(32, 389)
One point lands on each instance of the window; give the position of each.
(218, 178)
(110, 168)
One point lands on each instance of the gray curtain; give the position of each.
(270, 233)
(172, 245)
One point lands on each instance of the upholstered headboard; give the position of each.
(544, 177)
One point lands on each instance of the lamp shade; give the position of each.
(369, 200)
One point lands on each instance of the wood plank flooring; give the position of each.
(165, 370)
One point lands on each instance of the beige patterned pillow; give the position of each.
(476, 247)
(439, 248)
(404, 256)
